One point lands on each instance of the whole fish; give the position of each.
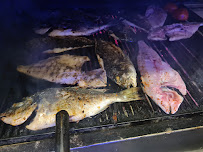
(66, 69)
(118, 66)
(156, 76)
(79, 103)
(79, 32)
(57, 44)
(174, 32)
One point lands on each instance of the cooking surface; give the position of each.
(185, 56)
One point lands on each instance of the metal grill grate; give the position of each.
(184, 56)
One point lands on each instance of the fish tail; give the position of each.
(21, 68)
(130, 95)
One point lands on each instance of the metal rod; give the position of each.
(62, 132)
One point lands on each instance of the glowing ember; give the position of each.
(116, 42)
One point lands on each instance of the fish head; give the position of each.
(19, 112)
(127, 79)
(169, 100)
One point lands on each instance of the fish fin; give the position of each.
(101, 62)
(130, 94)
(99, 90)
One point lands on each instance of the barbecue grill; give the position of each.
(121, 121)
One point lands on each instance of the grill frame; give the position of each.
(107, 124)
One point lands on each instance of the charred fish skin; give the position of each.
(78, 102)
(156, 76)
(118, 67)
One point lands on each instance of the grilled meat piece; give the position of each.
(79, 103)
(118, 66)
(66, 69)
(156, 75)
(174, 32)
(155, 16)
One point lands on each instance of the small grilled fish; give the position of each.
(80, 32)
(57, 44)
(118, 66)
(66, 69)
(156, 76)
(78, 102)
(175, 31)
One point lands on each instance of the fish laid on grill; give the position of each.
(80, 32)
(118, 66)
(66, 69)
(156, 16)
(78, 102)
(58, 44)
(156, 76)
(174, 32)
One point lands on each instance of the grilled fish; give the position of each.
(57, 44)
(155, 16)
(79, 32)
(174, 32)
(118, 66)
(78, 102)
(66, 69)
(156, 76)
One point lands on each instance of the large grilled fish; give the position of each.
(156, 76)
(174, 32)
(66, 69)
(79, 103)
(118, 66)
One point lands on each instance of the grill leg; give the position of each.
(62, 132)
